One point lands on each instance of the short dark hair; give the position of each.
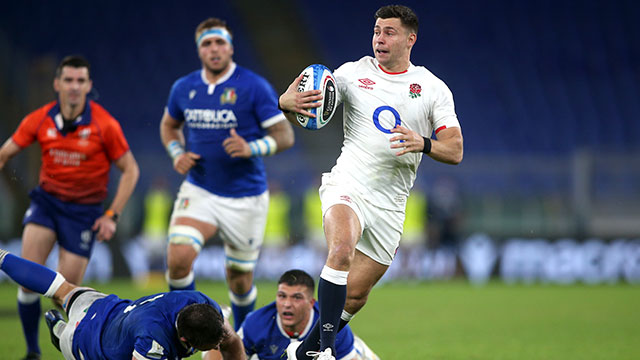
(201, 325)
(297, 277)
(212, 23)
(74, 61)
(407, 17)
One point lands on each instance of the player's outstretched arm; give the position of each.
(173, 140)
(9, 149)
(292, 101)
(106, 224)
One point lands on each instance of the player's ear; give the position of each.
(411, 40)
(56, 84)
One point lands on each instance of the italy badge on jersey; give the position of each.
(183, 204)
(229, 96)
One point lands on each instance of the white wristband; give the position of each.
(175, 149)
(264, 146)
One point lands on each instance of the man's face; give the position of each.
(294, 305)
(73, 85)
(391, 41)
(215, 54)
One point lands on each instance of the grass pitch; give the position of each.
(444, 321)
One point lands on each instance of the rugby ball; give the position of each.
(318, 77)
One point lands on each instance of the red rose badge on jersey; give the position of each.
(414, 90)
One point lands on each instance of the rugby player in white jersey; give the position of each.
(391, 109)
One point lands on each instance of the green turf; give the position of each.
(447, 321)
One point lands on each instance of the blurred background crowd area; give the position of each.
(546, 92)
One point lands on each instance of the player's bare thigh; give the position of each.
(72, 266)
(342, 231)
(180, 257)
(364, 274)
(37, 242)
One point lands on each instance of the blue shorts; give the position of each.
(71, 222)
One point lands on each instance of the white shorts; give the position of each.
(381, 228)
(77, 312)
(241, 221)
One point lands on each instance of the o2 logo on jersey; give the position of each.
(376, 118)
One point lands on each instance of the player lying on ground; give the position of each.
(157, 327)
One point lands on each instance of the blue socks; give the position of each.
(29, 311)
(312, 341)
(241, 305)
(331, 301)
(332, 294)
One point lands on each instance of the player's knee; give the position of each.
(341, 255)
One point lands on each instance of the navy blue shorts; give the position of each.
(71, 222)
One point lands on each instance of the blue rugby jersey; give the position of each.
(113, 328)
(262, 334)
(242, 100)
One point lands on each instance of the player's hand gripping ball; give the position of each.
(318, 77)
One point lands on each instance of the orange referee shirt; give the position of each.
(75, 165)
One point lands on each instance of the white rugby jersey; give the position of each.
(375, 101)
